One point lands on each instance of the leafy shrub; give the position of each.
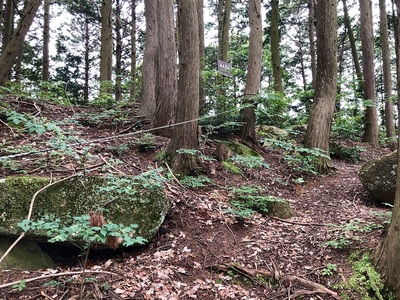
(351, 154)
(366, 283)
(195, 182)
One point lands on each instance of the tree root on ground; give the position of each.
(312, 287)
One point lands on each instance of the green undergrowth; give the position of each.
(366, 283)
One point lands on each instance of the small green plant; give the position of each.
(366, 283)
(146, 142)
(195, 182)
(351, 154)
(247, 200)
(250, 162)
(347, 232)
(20, 286)
(300, 158)
(329, 270)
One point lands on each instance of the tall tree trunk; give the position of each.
(253, 80)
(275, 57)
(185, 136)
(386, 255)
(106, 47)
(387, 76)
(319, 125)
(132, 87)
(148, 100)
(166, 82)
(118, 52)
(8, 25)
(202, 95)
(371, 131)
(311, 33)
(46, 40)
(16, 42)
(224, 21)
(87, 61)
(352, 40)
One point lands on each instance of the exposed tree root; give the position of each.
(312, 287)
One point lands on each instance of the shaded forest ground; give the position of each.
(202, 251)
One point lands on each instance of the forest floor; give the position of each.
(202, 251)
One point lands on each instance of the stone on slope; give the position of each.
(379, 178)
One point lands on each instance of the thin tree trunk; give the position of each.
(166, 81)
(371, 131)
(387, 76)
(319, 125)
(10, 53)
(8, 23)
(253, 80)
(353, 46)
(186, 136)
(275, 57)
(46, 41)
(148, 100)
(106, 47)
(118, 52)
(132, 89)
(311, 33)
(87, 61)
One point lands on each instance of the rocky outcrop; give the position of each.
(379, 178)
(121, 200)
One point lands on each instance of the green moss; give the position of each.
(231, 167)
(240, 149)
(366, 283)
(78, 196)
(17, 257)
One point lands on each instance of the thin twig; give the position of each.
(56, 275)
(31, 210)
(111, 166)
(5, 124)
(173, 175)
(298, 223)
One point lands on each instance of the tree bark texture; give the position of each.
(8, 24)
(147, 106)
(166, 81)
(16, 42)
(387, 76)
(106, 50)
(275, 57)
(311, 33)
(132, 86)
(386, 256)
(371, 130)
(185, 136)
(253, 80)
(87, 60)
(319, 126)
(46, 41)
(224, 21)
(202, 95)
(118, 52)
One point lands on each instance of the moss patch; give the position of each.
(78, 196)
(231, 167)
(17, 258)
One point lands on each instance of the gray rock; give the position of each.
(122, 200)
(379, 178)
(26, 255)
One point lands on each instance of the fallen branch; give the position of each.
(30, 212)
(112, 167)
(287, 279)
(297, 223)
(56, 275)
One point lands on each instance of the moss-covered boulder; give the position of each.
(379, 178)
(26, 255)
(121, 200)
(267, 130)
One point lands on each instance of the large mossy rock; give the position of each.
(26, 255)
(379, 178)
(122, 201)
